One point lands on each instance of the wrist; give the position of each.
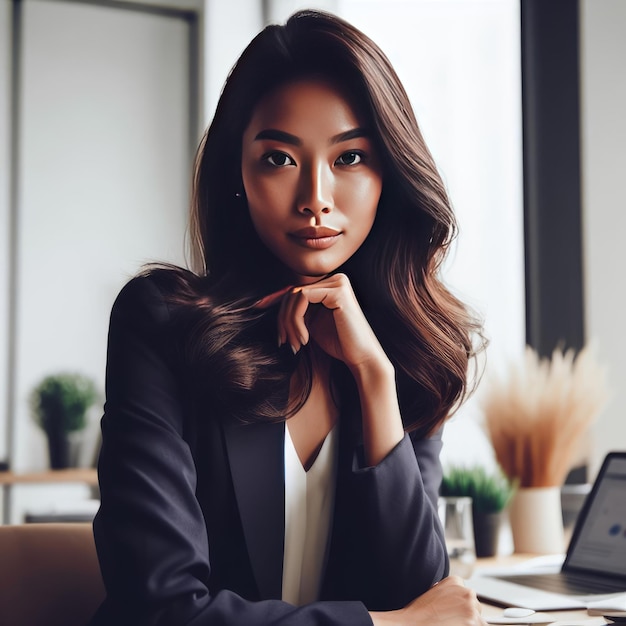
(380, 413)
(386, 618)
(374, 373)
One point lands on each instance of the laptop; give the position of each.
(595, 563)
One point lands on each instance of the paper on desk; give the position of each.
(537, 565)
(605, 606)
(590, 621)
(535, 618)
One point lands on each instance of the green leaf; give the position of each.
(60, 402)
(490, 492)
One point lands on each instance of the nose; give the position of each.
(315, 190)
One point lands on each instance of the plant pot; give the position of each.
(537, 520)
(487, 532)
(64, 449)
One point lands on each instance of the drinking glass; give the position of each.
(456, 518)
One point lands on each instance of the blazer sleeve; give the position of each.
(392, 548)
(150, 533)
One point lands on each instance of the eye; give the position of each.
(278, 159)
(349, 158)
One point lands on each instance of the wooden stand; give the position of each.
(85, 475)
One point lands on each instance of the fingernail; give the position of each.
(294, 349)
(303, 341)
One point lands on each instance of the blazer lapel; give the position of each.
(256, 457)
(333, 573)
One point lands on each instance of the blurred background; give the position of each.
(102, 104)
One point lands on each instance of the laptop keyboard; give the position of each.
(566, 583)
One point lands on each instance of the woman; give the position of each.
(272, 425)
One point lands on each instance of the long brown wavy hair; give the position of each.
(429, 335)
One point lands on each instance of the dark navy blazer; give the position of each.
(191, 525)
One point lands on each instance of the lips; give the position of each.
(317, 237)
(315, 232)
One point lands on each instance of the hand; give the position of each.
(329, 312)
(449, 603)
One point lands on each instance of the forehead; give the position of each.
(306, 104)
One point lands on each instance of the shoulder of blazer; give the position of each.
(142, 305)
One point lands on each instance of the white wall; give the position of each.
(603, 105)
(103, 182)
(279, 10)
(228, 26)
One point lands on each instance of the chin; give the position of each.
(312, 272)
(305, 278)
(319, 270)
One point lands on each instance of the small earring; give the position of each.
(238, 195)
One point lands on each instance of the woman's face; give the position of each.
(312, 177)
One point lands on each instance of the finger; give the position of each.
(285, 319)
(299, 309)
(282, 333)
(326, 296)
(334, 292)
(335, 285)
(291, 317)
(295, 325)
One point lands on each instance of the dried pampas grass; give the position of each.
(539, 418)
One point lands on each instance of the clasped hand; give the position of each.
(328, 312)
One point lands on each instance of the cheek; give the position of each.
(266, 218)
(362, 199)
(266, 197)
(261, 220)
(370, 204)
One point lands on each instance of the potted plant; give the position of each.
(490, 494)
(59, 405)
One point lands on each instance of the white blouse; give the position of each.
(309, 498)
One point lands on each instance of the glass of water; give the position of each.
(456, 518)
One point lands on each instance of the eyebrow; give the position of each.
(281, 135)
(349, 134)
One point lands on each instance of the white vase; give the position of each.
(537, 520)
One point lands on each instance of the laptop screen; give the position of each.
(599, 541)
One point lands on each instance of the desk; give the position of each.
(561, 618)
(85, 475)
